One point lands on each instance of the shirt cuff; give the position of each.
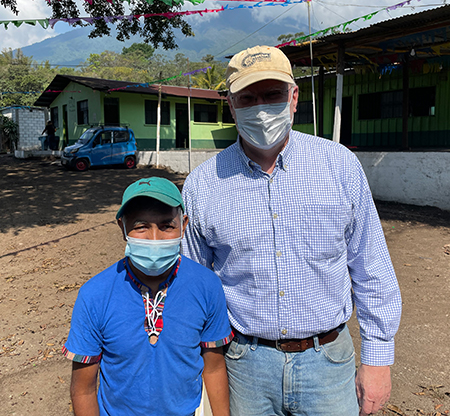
(84, 359)
(220, 343)
(377, 353)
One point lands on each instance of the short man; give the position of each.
(287, 221)
(145, 320)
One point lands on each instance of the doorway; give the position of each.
(182, 126)
(111, 111)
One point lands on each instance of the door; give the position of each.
(182, 126)
(111, 111)
(65, 132)
(121, 146)
(101, 148)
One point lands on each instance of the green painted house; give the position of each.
(76, 103)
(388, 84)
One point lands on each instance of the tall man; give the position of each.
(287, 221)
(145, 320)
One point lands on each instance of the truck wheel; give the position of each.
(130, 162)
(81, 165)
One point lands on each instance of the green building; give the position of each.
(387, 86)
(76, 103)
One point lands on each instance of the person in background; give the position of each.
(153, 323)
(50, 130)
(288, 223)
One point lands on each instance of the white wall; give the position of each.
(31, 122)
(418, 178)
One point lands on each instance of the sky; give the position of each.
(324, 13)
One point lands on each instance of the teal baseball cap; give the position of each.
(158, 188)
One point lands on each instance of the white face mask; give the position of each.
(266, 125)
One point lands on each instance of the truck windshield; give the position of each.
(86, 136)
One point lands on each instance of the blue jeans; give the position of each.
(317, 382)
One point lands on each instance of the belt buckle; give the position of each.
(278, 345)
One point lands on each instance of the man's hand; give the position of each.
(373, 388)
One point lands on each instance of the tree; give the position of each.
(156, 31)
(139, 49)
(120, 67)
(212, 79)
(21, 78)
(289, 36)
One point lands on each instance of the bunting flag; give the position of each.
(342, 26)
(45, 23)
(146, 84)
(161, 81)
(35, 92)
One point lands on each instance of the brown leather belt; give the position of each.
(300, 345)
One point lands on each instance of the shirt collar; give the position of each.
(283, 157)
(144, 288)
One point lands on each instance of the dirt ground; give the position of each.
(57, 229)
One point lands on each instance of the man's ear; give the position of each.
(185, 223)
(120, 223)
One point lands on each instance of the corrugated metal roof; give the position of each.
(60, 82)
(419, 30)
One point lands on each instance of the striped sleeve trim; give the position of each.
(84, 359)
(220, 343)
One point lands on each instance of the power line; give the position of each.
(262, 27)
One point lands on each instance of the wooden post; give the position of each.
(405, 102)
(340, 66)
(321, 97)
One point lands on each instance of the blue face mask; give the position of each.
(152, 257)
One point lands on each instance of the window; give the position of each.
(205, 113)
(382, 105)
(422, 101)
(120, 136)
(151, 115)
(304, 114)
(391, 104)
(54, 116)
(226, 115)
(82, 112)
(102, 138)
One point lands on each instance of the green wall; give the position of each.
(423, 131)
(132, 112)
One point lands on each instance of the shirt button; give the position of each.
(281, 292)
(285, 166)
(278, 253)
(271, 180)
(284, 331)
(275, 216)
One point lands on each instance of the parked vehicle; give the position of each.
(102, 145)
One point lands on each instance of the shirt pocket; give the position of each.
(323, 230)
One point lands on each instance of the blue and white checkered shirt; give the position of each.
(294, 249)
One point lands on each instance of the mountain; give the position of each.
(223, 35)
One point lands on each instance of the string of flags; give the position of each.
(35, 92)
(46, 23)
(161, 81)
(146, 84)
(342, 26)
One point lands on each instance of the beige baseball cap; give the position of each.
(257, 64)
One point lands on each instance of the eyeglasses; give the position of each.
(248, 99)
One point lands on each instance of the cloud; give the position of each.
(327, 13)
(196, 19)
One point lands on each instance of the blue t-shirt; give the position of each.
(136, 377)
